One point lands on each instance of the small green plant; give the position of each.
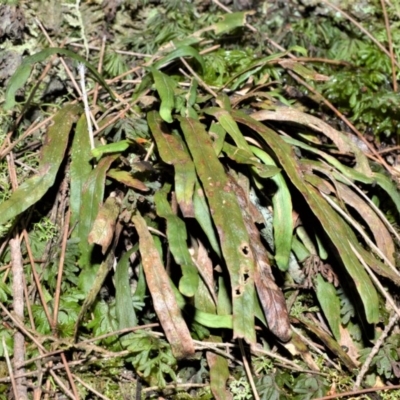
(240, 389)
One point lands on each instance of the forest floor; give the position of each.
(199, 199)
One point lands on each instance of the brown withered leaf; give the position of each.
(127, 179)
(303, 71)
(270, 295)
(342, 142)
(382, 236)
(205, 267)
(330, 343)
(297, 346)
(164, 301)
(348, 343)
(104, 225)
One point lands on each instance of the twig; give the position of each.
(81, 70)
(32, 129)
(67, 70)
(120, 115)
(361, 231)
(316, 349)
(60, 272)
(70, 377)
(275, 356)
(62, 386)
(9, 366)
(358, 392)
(84, 344)
(388, 298)
(360, 27)
(36, 277)
(128, 53)
(344, 119)
(99, 69)
(22, 328)
(149, 152)
(372, 205)
(201, 82)
(248, 370)
(177, 386)
(19, 279)
(83, 383)
(364, 369)
(18, 306)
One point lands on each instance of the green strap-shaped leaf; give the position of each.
(125, 312)
(173, 151)
(91, 281)
(375, 264)
(383, 181)
(141, 287)
(299, 249)
(350, 173)
(224, 306)
(246, 157)
(330, 304)
(110, 148)
(229, 124)
(252, 69)
(92, 198)
(282, 216)
(185, 179)
(213, 320)
(329, 219)
(219, 133)
(165, 87)
(203, 217)
(181, 51)
(205, 298)
(345, 194)
(177, 240)
(22, 73)
(204, 318)
(80, 168)
(228, 220)
(53, 152)
(241, 153)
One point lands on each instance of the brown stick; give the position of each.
(18, 305)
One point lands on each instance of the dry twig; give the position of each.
(18, 305)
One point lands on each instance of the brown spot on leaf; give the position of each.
(245, 249)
